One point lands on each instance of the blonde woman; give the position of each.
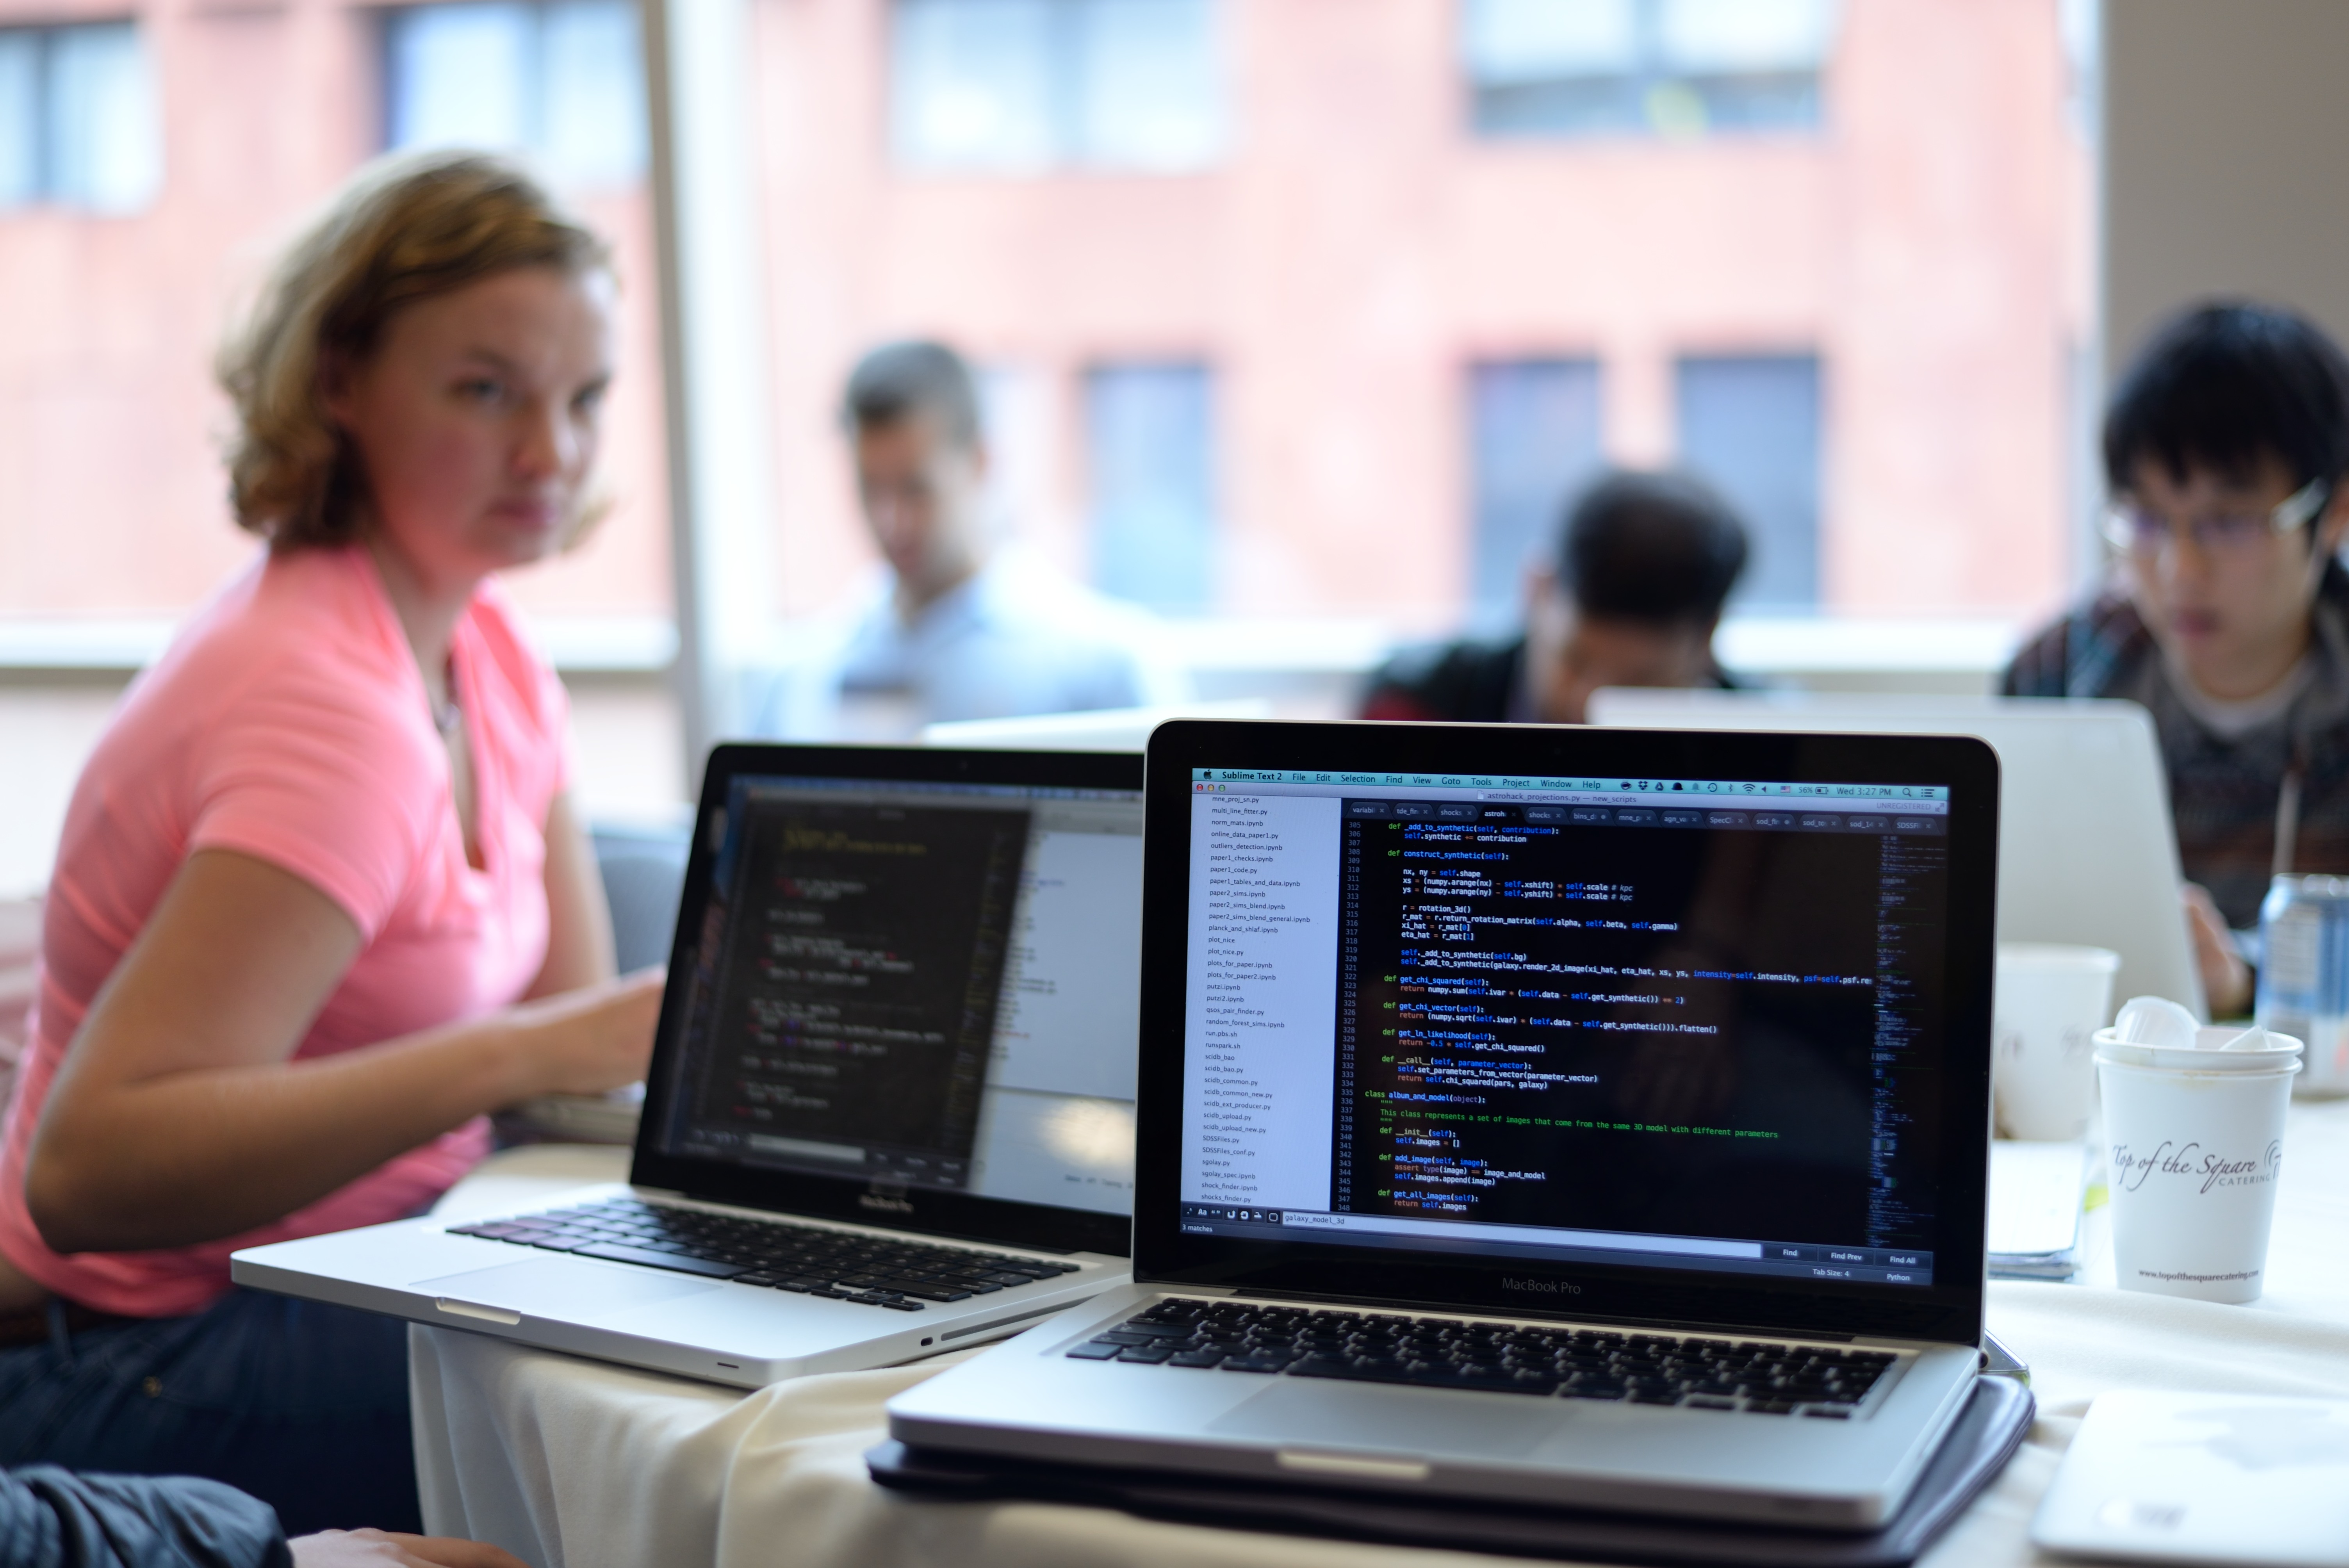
(322, 901)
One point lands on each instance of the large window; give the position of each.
(1150, 433)
(1303, 317)
(1028, 85)
(1673, 67)
(561, 80)
(1533, 432)
(1750, 424)
(1445, 256)
(78, 126)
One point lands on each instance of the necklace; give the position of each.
(446, 715)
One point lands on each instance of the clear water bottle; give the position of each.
(2304, 974)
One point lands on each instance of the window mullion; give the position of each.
(714, 388)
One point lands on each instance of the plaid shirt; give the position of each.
(2223, 793)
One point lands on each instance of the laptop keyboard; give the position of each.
(1447, 1353)
(834, 1265)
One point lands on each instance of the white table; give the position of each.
(576, 1463)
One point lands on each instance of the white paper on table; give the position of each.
(2216, 1478)
(2034, 1197)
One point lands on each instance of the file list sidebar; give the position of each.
(1260, 1016)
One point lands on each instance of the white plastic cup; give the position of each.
(2195, 1148)
(2047, 1001)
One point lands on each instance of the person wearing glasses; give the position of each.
(2226, 446)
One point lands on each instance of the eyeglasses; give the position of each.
(2130, 527)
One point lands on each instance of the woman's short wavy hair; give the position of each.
(405, 230)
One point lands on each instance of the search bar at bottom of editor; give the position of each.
(1535, 1235)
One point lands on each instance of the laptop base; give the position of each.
(712, 1329)
(888, 1112)
(1992, 1427)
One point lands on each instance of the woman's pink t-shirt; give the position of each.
(288, 722)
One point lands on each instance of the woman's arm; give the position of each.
(177, 1116)
(579, 949)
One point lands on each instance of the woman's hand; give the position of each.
(592, 1039)
(2226, 978)
(392, 1549)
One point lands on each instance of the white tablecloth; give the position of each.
(576, 1463)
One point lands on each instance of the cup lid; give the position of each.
(2282, 1054)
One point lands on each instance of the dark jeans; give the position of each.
(303, 1404)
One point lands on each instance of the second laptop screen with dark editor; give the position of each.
(1691, 1023)
(932, 984)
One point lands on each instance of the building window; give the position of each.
(1012, 86)
(1750, 424)
(78, 126)
(1533, 438)
(1670, 67)
(1150, 450)
(561, 81)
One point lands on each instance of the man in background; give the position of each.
(2227, 616)
(1644, 563)
(971, 626)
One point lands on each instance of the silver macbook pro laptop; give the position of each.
(890, 1110)
(1592, 1116)
(2087, 852)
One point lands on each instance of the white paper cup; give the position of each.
(2046, 1005)
(2195, 1148)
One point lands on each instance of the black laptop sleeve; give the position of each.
(1978, 1447)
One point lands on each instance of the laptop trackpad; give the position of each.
(1406, 1421)
(554, 1287)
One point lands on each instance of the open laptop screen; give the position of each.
(1694, 1023)
(916, 984)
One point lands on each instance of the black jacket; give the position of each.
(1466, 682)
